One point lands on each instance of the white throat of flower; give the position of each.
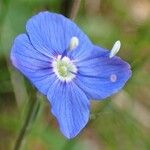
(64, 68)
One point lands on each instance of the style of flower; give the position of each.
(63, 64)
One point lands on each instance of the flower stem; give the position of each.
(74, 9)
(32, 110)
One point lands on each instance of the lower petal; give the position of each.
(70, 106)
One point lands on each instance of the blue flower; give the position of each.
(63, 64)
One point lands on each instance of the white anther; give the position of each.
(74, 42)
(115, 49)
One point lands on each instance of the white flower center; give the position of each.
(64, 68)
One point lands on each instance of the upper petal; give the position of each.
(50, 33)
(101, 76)
(33, 64)
(70, 106)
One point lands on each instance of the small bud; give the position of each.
(115, 49)
(74, 42)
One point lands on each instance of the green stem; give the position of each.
(31, 112)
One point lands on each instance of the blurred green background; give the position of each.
(122, 122)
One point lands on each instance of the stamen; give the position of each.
(74, 42)
(115, 49)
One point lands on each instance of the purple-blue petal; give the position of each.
(33, 64)
(50, 33)
(70, 106)
(101, 76)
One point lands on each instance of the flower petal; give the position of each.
(50, 33)
(33, 64)
(101, 76)
(70, 106)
